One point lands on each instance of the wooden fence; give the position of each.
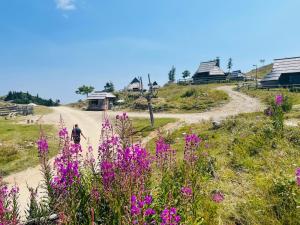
(16, 109)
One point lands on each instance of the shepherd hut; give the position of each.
(236, 75)
(135, 85)
(285, 73)
(100, 101)
(209, 72)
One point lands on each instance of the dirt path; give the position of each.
(90, 123)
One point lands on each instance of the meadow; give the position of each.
(18, 145)
(244, 171)
(178, 98)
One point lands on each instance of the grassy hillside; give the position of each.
(178, 98)
(254, 168)
(261, 71)
(18, 145)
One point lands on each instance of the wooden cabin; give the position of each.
(100, 101)
(134, 86)
(209, 72)
(155, 85)
(285, 72)
(236, 75)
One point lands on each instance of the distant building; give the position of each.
(209, 72)
(285, 72)
(99, 100)
(236, 75)
(155, 85)
(135, 85)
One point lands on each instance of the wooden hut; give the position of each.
(209, 72)
(285, 72)
(134, 86)
(236, 75)
(155, 85)
(98, 101)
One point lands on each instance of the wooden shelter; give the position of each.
(209, 72)
(135, 85)
(285, 73)
(236, 75)
(98, 101)
(155, 85)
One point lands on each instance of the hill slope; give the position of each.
(178, 98)
(261, 71)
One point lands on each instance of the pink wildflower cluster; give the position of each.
(134, 166)
(8, 207)
(107, 172)
(217, 197)
(122, 117)
(186, 192)
(63, 133)
(67, 167)
(278, 100)
(139, 207)
(169, 216)
(42, 146)
(298, 176)
(164, 154)
(192, 142)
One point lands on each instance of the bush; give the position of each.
(189, 93)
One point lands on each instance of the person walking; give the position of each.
(76, 134)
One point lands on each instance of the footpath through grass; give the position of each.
(18, 149)
(254, 167)
(142, 127)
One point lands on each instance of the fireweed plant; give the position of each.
(125, 184)
(278, 107)
(9, 213)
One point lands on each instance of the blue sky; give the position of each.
(50, 47)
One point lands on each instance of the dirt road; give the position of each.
(90, 123)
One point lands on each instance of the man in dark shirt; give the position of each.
(76, 134)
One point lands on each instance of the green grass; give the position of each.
(266, 95)
(143, 128)
(42, 110)
(18, 145)
(253, 165)
(178, 98)
(261, 71)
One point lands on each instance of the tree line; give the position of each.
(26, 98)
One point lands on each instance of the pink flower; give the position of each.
(186, 191)
(278, 100)
(298, 176)
(63, 133)
(218, 197)
(42, 146)
(148, 199)
(149, 212)
(169, 216)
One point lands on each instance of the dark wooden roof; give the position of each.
(282, 66)
(210, 67)
(135, 80)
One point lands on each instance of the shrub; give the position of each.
(189, 93)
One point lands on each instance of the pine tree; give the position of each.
(171, 74)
